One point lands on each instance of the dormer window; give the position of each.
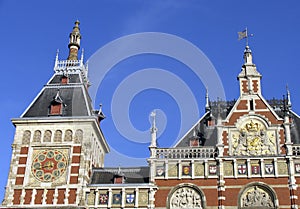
(56, 105)
(119, 179)
(64, 79)
(56, 109)
(194, 142)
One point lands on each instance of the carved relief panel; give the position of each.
(185, 197)
(256, 196)
(253, 139)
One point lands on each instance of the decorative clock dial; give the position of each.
(48, 165)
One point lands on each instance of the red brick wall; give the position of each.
(61, 196)
(255, 85)
(243, 105)
(50, 196)
(17, 195)
(72, 196)
(28, 196)
(39, 196)
(233, 188)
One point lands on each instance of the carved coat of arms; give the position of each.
(253, 140)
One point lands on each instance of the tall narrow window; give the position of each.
(251, 104)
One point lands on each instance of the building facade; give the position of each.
(240, 154)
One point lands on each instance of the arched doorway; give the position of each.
(186, 196)
(257, 195)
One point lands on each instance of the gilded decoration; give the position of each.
(256, 197)
(253, 139)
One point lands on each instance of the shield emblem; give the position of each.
(103, 198)
(116, 198)
(130, 198)
(297, 168)
(242, 169)
(255, 169)
(186, 170)
(212, 169)
(269, 169)
(160, 170)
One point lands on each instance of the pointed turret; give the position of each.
(153, 130)
(74, 42)
(249, 77)
(207, 106)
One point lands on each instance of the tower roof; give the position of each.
(68, 85)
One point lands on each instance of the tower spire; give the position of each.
(74, 42)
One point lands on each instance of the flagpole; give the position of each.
(247, 37)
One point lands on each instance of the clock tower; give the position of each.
(58, 140)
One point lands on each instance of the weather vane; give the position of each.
(244, 34)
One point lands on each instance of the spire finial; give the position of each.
(74, 42)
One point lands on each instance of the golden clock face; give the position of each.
(48, 165)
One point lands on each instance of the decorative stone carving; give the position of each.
(58, 136)
(256, 197)
(26, 137)
(91, 198)
(253, 140)
(185, 197)
(47, 136)
(78, 136)
(68, 135)
(37, 136)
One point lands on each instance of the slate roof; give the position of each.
(133, 175)
(74, 95)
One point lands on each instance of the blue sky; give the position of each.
(32, 31)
